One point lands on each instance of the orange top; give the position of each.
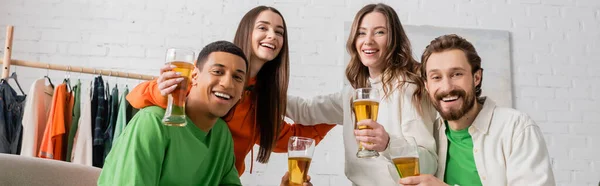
(53, 146)
(242, 125)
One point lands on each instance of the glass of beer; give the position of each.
(405, 156)
(184, 64)
(366, 106)
(300, 152)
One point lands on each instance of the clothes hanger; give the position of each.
(48, 77)
(68, 79)
(14, 77)
(79, 78)
(100, 76)
(128, 81)
(117, 79)
(106, 87)
(107, 79)
(80, 72)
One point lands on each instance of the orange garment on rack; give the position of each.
(59, 119)
(242, 125)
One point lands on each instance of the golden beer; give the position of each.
(178, 96)
(407, 166)
(298, 168)
(365, 109)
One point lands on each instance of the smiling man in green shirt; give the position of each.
(478, 142)
(201, 153)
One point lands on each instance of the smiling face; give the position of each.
(219, 84)
(451, 83)
(267, 36)
(372, 40)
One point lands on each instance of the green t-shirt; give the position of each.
(150, 153)
(460, 164)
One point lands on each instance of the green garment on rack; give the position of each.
(75, 120)
(113, 107)
(122, 117)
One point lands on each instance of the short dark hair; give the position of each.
(219, 46)
(449, 42)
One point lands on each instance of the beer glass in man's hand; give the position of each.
(405, 155)
(300, 152)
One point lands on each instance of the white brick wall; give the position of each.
(555, 46)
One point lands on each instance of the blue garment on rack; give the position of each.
(99, 122)
(11, 116)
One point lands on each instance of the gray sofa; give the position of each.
(19, 170)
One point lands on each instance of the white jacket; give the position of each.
(398, 116)
(508, 148)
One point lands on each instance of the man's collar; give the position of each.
(484, 118)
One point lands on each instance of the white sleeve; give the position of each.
(419, 126)
(529, 150)
(316, 110)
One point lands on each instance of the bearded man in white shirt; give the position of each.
(478, 143)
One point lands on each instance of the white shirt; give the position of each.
(397, 115)
(35, 116)
(82, 143)
(508, 148)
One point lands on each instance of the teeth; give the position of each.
(450, 98)
(268, 45)
(369, 51)
(222, 95)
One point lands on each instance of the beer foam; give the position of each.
(373, 100)
(299, 156)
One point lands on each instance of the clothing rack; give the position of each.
(68, 68)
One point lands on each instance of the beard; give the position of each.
(453, 114)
